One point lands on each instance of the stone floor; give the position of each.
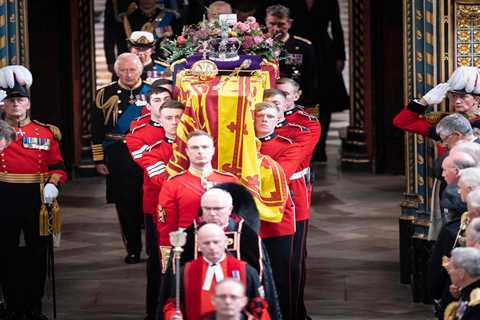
(352, 264)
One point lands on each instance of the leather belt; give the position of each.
(23, 177)
(300, 174)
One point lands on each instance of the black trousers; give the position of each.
(124, 189)
(280, 251)
(153, 265)
(299, 256)
(23, 268)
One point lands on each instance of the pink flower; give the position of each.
(254, 26)
(251, 19)
(258, 39)
(181, 40)
(248, 42)
(243, 27)
(269, 42)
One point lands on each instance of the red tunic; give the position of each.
(197, 302)
(298, 182)
(179, 201)
(36, 150)
(289, 156)
(299, 116)
(144, 118)
(139, 142)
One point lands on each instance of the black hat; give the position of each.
(17, 91)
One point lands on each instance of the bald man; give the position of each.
(217, 8)
(200, 276)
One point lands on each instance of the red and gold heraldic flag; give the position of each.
(224, 109)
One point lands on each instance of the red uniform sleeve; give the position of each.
(290, 159)
(410, 121)
(155, 163)
(136, 147)
(56, 166)
(167, 212)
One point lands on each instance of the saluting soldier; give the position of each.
(299, 62)
(31, 169)
(116, 105)
(142, 43)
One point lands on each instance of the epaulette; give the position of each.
(435, 117)
(310, 117)
(148, 114)
(224, 173)
(150, 147)
(298, 126)
(162, 63)
(54, 129)
(303, 39)
(474, 298)
(285, 138)
(450, 311)
(177, 175)
(138, 127)
(106, 85)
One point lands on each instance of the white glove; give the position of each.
(50, 193)
(437, 94)
(8, 75)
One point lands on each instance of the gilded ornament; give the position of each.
(204, 69)
(420, 160)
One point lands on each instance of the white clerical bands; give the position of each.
(213, 270)
(156, 168)
(138, 153)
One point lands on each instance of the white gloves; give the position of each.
(8, 75)
(437, 94)
(50, 193)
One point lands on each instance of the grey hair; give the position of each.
(454, 123)
(467, 259)
(470, 148)
(278, 11)
(473, 230)
(7, 132)
(470, 177)
(462, 160)
(473, 199)
(126, 56)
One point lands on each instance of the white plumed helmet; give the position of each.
(465, 80)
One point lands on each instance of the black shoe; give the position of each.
(132, 259)
(35, 316)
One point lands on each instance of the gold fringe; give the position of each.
(450, 311)
(50, 222)
(44, 220)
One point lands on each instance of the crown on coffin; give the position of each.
(224, 49)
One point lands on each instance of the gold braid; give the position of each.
(108, 107)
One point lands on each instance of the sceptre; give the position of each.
(177, 239)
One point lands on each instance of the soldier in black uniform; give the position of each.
(113, 35)
(116, 105)
(144, 15)
(298, 63)
(464, 271)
